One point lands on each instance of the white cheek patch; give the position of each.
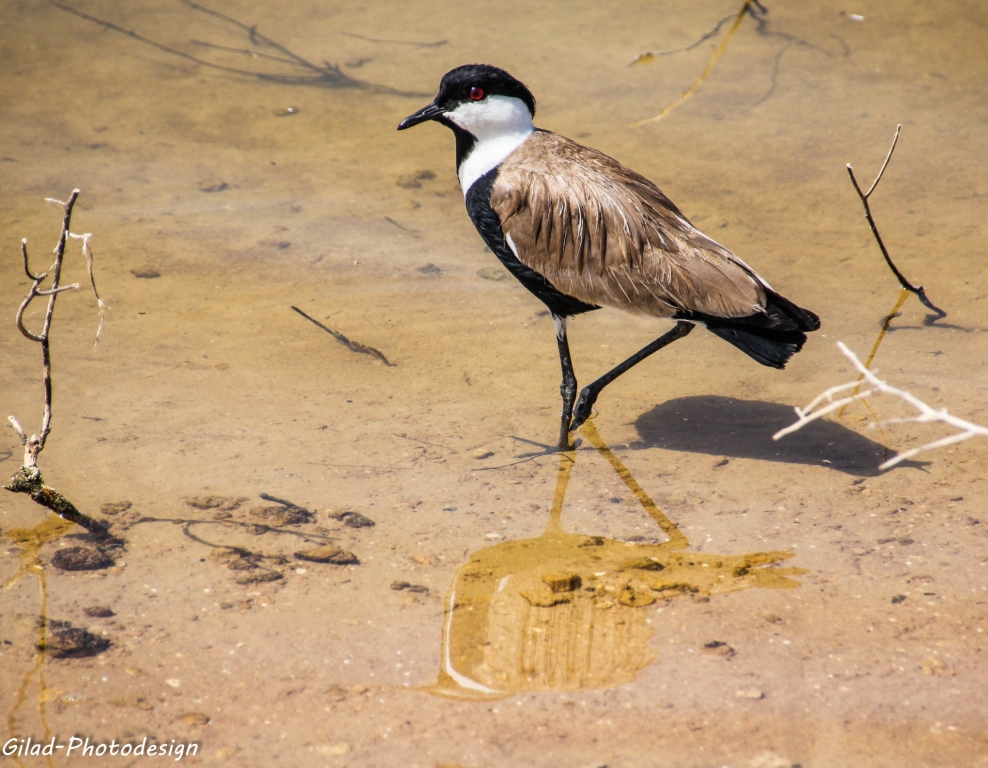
(500, 124)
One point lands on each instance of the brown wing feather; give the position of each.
(605, 235)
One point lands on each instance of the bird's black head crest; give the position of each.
(463, 83)
(471, 82)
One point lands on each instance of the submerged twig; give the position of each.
(748, 7)
(926, 413)
(29, 479)
(354, 346)
(283, 502)
(432, 44)
(918, 290)
(647, 57)
(323, 75)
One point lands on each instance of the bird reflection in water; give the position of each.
(565, 611)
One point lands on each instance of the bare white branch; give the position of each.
(16, 426)
(88, 254)
(926, 414)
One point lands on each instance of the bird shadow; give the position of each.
(722, 426)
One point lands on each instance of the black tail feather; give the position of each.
(768, 347)
(771, 337)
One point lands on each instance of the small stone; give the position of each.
(213, 186)
(770, 760)
(414, 180)
(482, 453)
(430, 269)
(258, 577)
(98, 611)
(717, 648)
(860, 551)
(286, 112)
(115, 507)
(561, 582)
(222, 516)
(404, 585)
(898, 599)
(147, 273)
(749, 693)
(430, 560)
(63, 641)
(357, 520)
(241, 564)
(333, 749)
(641, 564)
(492, 273)
(279, 516)
(222, 554)
(225, 503)
(633, 598)
(933, 666)
(194, 719)
(257, 530)
(771, 618)
(173, 682)
(328, 554)
(80, 559)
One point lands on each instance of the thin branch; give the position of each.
(918, 290)
(353, 346)
(748, 6)
(926, 414)
(16, 426)
(649, 56)
(88, 254)
(433, 44)
(29, 479)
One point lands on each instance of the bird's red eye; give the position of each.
(476, 94)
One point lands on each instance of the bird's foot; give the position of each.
(584, 407)
(565, 444)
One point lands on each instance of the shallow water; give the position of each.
(780, 644)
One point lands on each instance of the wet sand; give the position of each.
(854, 628)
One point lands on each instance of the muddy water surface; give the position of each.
(681, 590)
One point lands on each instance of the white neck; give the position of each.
(500, 124)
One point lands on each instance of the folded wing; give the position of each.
(608, 236)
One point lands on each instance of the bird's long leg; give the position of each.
(588, 396)
(568, 386)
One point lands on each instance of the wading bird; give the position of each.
(581, 231)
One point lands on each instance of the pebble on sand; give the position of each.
(562, 582)
(63, 641)
(328, 554)
(80, 559)
(717, 648)
(258, 577)
(749, 693)
(194, 719)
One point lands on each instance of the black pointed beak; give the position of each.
(430, 112)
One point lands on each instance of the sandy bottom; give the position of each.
(681, 590)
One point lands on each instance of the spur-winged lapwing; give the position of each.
(581, 231)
